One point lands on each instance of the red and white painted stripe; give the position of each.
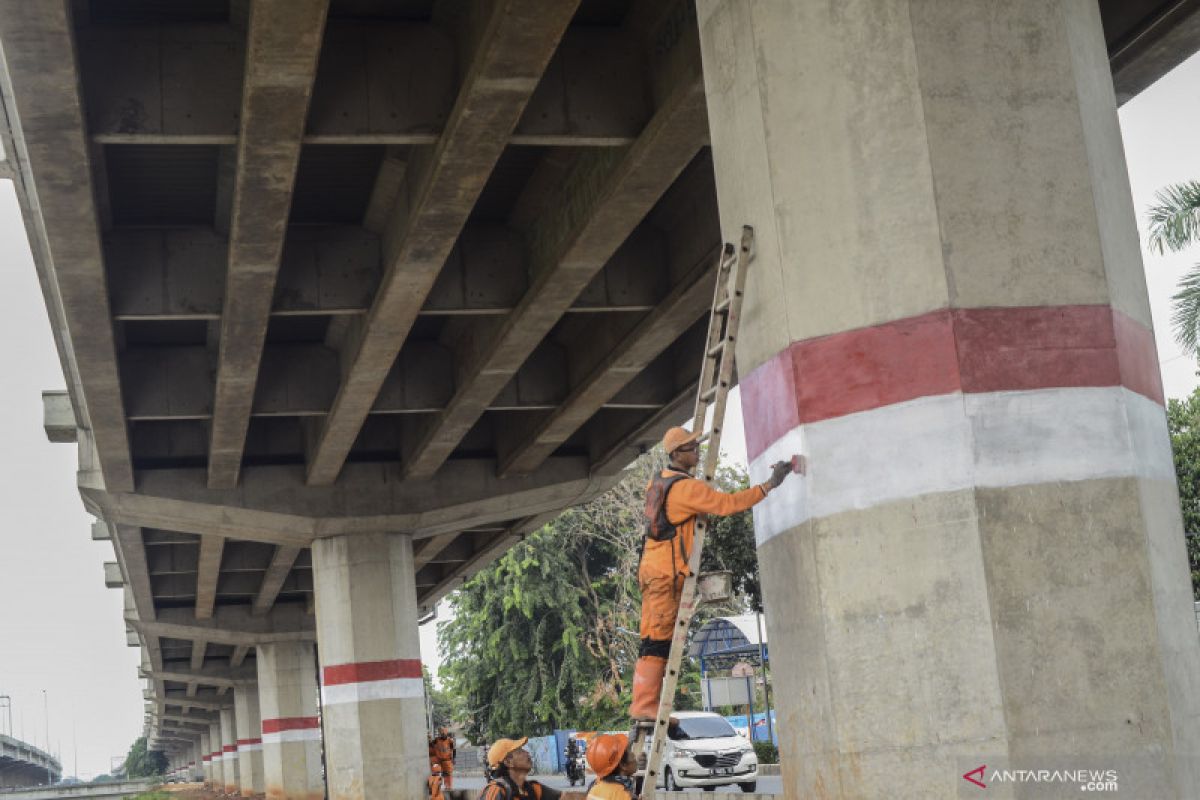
(291, 729)
(955, 399)
(397, 679)
(249, 745)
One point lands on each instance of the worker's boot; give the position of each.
(647, 685)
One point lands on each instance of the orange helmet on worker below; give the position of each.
(605, 753)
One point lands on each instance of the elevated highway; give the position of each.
(350, 295)
(22, 764)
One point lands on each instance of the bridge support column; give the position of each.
(249, 740)
(217, 779)
(372, 690)
(948, 314)
(206, 773)
(229, 757)
(291, 732)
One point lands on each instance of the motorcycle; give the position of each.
(576, 769)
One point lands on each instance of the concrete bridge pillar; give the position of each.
(249, 740)
(372, 690)
(291, 730)
(948, 314)
(206, 773)
(217, 779)
(229, 751)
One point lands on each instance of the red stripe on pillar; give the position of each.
(289, 724)
(249, 741)
(969, 350)
(372, 671)
(230, 748)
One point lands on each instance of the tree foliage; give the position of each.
(1183, 420)
(143, 763)
(1175, 225)
(547, 636)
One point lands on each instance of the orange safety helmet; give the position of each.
(605, 753)
(676, 438)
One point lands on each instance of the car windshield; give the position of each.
(701, 728)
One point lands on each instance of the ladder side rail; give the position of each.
(723, 327)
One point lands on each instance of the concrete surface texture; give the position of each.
(23, 764)
(351, 294)
(986, 564)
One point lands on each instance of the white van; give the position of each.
(704, 750)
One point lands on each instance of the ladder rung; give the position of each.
(723, 305)
(711, 392)
(718, 348)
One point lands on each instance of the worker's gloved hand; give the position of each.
(778, 473)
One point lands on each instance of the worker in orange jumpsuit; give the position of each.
(673, 499)
(612, 761)
(442, 753)
(435, 783)
(509, 765)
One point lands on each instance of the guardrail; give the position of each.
(99, 791)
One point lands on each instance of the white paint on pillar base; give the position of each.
(297, 735)
(249, 748)
(957, 441)
(392, 689)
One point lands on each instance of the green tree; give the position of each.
(1175, 225)
(1183, 421)
(143, 763)
(441, 703)
(547, 636)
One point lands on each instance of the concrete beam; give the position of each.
(274, 505)
(131, 552)
(208, 572)
(175, 383)
(633, 354)
(239, 655)
(186, 81)
(209, 702)
(58, 418)
(232, 625)
(112, 575)
(284, 42)
(277, 572)
(427, 550)
(485, 554)
(45, 109)
(1162, 42)
(199, 647)
(516, 44)
(605, 196)
(204, 677)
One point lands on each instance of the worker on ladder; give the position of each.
(673, 499)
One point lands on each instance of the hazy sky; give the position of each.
(61, 630)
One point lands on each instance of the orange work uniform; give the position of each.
(435, 788)
(611, 789)
(441, 752)
(663, 569)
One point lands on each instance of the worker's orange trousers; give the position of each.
(660, 609)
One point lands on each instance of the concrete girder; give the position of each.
(298, 380)
(131, 553)
(603, 199)
(378, 83)
(283, 45)
(232, 625)
(178, 274)
(480, 558)
(239, 654)
(199, 646)
(427, 550)
(277, 572)
(632, 354)
(517, 42)
(216, 677)
(208, 702)
(51, 152)
(273, 504)
(208, 571)
(1162, 42)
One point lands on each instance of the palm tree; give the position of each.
(1174, 225)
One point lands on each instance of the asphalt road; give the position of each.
(766, 785)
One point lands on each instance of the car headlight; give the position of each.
(685, 753)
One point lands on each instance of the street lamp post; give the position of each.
(46, 711)
(6, 703)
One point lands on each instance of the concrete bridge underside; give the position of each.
(22, 764)
(351, 294)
